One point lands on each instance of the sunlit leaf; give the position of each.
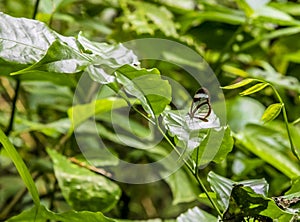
(26, 41)
(254, 89)
(189, 132)
(211, 149)
(239, 84)
(147, 86)
(60, 58)
(236, 71)
(271, 112)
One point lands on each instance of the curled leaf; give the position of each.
(271, 112)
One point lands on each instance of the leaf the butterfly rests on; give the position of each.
(200, 108)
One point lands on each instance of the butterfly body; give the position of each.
(201, 107)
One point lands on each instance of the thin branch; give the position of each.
(13, 110)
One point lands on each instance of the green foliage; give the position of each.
(253, 48)
(82, 189)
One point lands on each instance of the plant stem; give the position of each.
(294, 151)
(18, 84)
(207, 194)
(193, 171)
(13, 110)
(36, 7)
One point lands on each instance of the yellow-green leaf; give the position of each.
(234, 70)
(254, 89)
(271, 112)
(238, 84)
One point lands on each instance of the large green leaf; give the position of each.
(195, 215)
(223, 186)
(83, 189)
(271, 146)
(189, 132)
(42, 214)
(246, 203)
(105, 59)
(147, 86)
(182, 186)
(60, 58)
(21, 167)
(220, 151)
(26, 41)
(79, 113)
(245, 199)
(243, 110)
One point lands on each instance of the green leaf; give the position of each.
(247, 203)
(147, 18)
(147, 86)
(269, 145)
(190, 133)
(53, 129)
(79, 113)
(21, 167)
(271, 112)
(223, 17)
(237, 72)
(254, 89)
(246, 6)
(291, 8)
(243, 110)
(83, 189)
(28, 39)
(182, 187)
(295, 186)
(239, 84)
(223, 187)
(210, 148)
(60, 58)
(195, 214)
(42, 214)
(106, 59)
(270, 75)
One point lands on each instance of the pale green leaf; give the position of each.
(254, 89)
(239, 84)
(271, 112)
(235, 71)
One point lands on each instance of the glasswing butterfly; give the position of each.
(201, 107)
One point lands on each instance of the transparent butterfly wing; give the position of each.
(201, 107)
